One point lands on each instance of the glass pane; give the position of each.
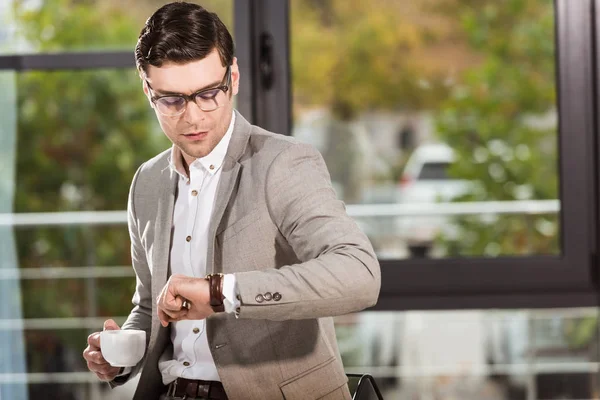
(69, 141)
(439, 116)
(88, 131)
(475, 355)
(73, 141)
(71, 25)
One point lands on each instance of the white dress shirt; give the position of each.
(192, 358)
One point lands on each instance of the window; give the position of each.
(434, 171)
(371, 87)
(483, 92)
(71, 26)
(75, 127)
(475, 354)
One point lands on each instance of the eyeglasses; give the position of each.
(209, 99)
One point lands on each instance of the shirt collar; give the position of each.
(212, 162)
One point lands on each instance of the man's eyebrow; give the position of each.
(169, 93)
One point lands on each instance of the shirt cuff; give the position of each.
(230, 291)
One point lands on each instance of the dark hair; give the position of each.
(182, 32)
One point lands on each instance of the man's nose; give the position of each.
(193, 112)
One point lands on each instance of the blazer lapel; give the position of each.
(162, 240)
(164, 222)
(227, 182)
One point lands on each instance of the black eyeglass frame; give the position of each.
(224, 87)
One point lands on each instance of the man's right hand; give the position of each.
(93, 355)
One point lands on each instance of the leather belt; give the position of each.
(196, 388)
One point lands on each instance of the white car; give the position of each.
(425, 180)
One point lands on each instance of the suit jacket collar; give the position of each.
(239, 139)
(229, 175)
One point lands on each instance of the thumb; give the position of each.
(111, 325)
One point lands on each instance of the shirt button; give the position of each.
(276, 296)
(185, 363)
(211, 167)
(196, 330)
(187, 239)
(259, 298)
(268, 296)
(194, 193)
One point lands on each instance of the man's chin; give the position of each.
(196, 151)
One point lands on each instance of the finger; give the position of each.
(86, 353)
(163, 317)
(163, 293)
(111, 325)
(185, 304)
(176, 302)
(96, 357)
(94, 340)
(101, 368)
(175, 314)
(171, 303)
(179, 317)
(169, 297)
(106, 377)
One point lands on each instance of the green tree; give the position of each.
(81, 136)
(351, 57)
(500, 118)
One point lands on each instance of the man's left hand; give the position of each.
(179, 288)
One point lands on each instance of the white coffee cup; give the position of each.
(123, 348)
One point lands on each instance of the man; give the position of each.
(231, 198)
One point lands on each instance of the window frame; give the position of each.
(567, 280)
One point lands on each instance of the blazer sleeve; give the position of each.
(140, 316)
(338, 271)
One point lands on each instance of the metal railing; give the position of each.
(530, 207)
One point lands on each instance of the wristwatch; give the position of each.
(215, 284)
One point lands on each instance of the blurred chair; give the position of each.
(363, 387)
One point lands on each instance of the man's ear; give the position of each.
(235, 76)
(145, 88)
(144, 78)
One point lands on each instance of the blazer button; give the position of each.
(276, 296)
(268, 296)
(259, 298)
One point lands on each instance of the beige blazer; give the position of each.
(278, 226)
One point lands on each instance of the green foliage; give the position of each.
(501, 120)
(353, 57)
(581, 332)
(81, 136)
(75, 25)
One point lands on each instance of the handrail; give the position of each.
(66, 272)
(95, 322)
(530, 207)
(376, 371)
